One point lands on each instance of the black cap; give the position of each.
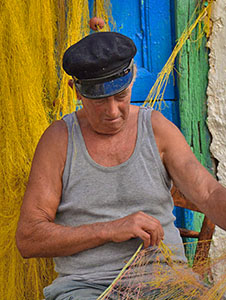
(101, 64)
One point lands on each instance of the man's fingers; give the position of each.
(150, 238)
(145, 236)
(152, 232)
(160, 238)
(154, 238)
(139, 224)
(154, 228)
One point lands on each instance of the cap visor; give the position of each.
(105, 89)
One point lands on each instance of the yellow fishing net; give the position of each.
(164, 279)
(33, 36)
(33, 92)
(102, 9)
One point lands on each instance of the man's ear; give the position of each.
(70, 83)
(78, 95)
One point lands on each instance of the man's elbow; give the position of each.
(23, 244)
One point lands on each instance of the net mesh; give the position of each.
(33, 92)
(165, 279)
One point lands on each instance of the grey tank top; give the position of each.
(94, 193)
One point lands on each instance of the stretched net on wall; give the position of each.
(33, 92)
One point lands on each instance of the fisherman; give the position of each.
(101, 177)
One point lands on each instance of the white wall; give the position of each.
(217, 112)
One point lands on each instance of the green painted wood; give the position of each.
(192, 66)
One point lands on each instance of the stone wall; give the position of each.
(217, 111)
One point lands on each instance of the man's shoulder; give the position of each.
(57, 128)
(164, 131)
(160, 123)
(55, 135)
(156, 117)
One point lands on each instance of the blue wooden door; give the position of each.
(149, 23)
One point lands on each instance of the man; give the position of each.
(101, 177)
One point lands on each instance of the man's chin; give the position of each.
(110, 130)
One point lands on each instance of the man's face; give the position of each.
(108, 115)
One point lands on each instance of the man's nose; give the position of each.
(112, 107)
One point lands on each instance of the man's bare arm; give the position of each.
(192, 179)
(37, 234)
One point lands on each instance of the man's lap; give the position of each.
(78, 290)
(73, 290)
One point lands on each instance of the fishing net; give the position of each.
(33, 92)
(164, 279)
(102, 9)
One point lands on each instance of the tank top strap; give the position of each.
(149, 139)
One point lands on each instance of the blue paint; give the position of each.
(91, 5)
(168, 109)
(148, 23)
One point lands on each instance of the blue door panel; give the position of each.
(148, 23)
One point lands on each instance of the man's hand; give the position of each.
(136, 225)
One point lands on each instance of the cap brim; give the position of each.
(105, 89)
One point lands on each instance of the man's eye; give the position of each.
(99, 101)
(120, 96)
